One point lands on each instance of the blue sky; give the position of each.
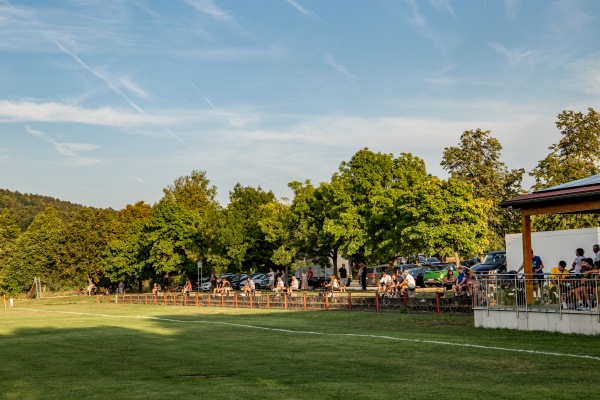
(106, 102)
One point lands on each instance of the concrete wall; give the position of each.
(567, 322)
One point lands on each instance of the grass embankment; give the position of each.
(75, 348)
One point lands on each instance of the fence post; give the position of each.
(304, 301)
(209, 296)
(138, 300)
(251, 296)
(130, 299)
(326, 302)
(174, 299)
(404, 297)
(349, 301)
(285, 304)
(196, 298)
(236, 300)
(437, 302)
(268, 300)
(146, 298)
(377, 302)
(165, 299)
(222, 299)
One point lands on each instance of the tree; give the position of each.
(35, 254)
(447, 219)
(193, 192)
(82, 246)
(246, 244)
(9, 233)
(126, 258)
(366, 194)
(575, 156)
(476, 160)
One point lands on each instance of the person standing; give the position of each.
(304, 280)
(271, 278)
(121, 287)
(596, 251)
(362, 276)
(576, 266)
(343, 272)
(310, 277)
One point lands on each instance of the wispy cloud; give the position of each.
(233, 54)
(516, 57)
(330, 60)
(210, 8)
(511, 7)
(303, 10)
(67, 149)
(585, 75)
(444, 5)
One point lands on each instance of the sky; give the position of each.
(106, 102)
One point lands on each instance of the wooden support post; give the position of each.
(130, 299)
(209, 296)
(197, 298)
(138, 300)
(146, 299)
(165, 299)
(222, 299)
(437, 302)
(251, 296)
(285, 303)
(326, 301)
(377, 302)
(236, 300)
(268, 300)
(527, 256)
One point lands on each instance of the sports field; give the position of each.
(68, 348)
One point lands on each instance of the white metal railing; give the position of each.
(568, 293)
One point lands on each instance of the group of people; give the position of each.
(577, 284)
(397, 283)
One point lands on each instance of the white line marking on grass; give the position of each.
(436, 342)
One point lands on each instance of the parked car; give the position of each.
(435, 276)
(374, 274)
(470, 262)
(261, 281)
(235, 281)
(493, 261)
(418, 273)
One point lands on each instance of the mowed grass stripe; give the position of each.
(304, 332)
(155, 352)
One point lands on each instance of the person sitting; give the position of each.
(218, 287)
(186, 288)
(408, 283)
(332, 286)
(280, 286)
(461, 282)
(226, 288)
(385, 283)
(294, 285)
(250, 287)
(558, 277)
(449, 280)
(585, 285)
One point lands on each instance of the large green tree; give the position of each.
(447, 219)
(82, 246)
(477, 161)
(575, 156)
(35, 254)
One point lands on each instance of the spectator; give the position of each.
(225, 286)
(449, 280)
(596, 251)
(11, 302)
(310, 278)
(121, 287)
(385, 283)
(584, 286)
(280, 287)
(333, 285)
(155, 289)
(213, 280)
(461, 282)
(271, 279)
(294, 285)
(304, 280)
(576, 266)
(187, 287)
(250, 286)
(343, 277)
(557, 281)
(219, 286)
(362, 276)
(408, 282)
(537, 268)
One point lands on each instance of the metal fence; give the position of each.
(568, 293)
(302, 301)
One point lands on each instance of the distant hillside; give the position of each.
(26, 206)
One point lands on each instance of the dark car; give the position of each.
(374, 274)
(418, 273)
(494, 261)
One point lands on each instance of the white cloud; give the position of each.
(303, 10)
(67, 149)
(585, 75)
(516, 57)
(210, 8)
(330, 60)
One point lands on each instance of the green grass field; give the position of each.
(67, 348)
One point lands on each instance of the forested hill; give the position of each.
(26, 206)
